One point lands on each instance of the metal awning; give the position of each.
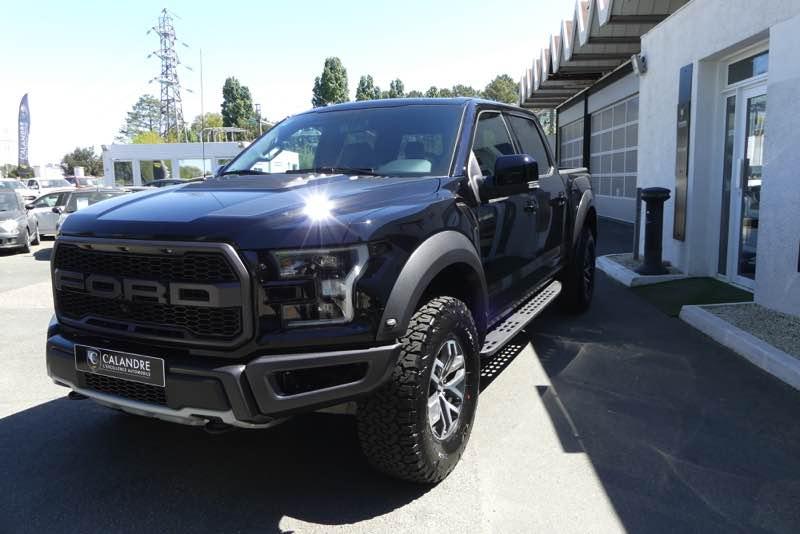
(601, 35)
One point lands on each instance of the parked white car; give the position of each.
(48, 185)
(42, 210)
(12, 183)
(81, 198)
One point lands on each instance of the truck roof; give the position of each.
(396, 102)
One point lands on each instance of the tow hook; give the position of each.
(74, 395)
(217, 427)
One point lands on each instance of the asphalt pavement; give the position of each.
(622, 419)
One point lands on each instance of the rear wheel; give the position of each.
(417, 425)
(35, 240)
(578, 276)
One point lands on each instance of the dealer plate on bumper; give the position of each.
(123, 365)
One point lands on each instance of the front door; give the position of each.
(748, 151)
(507, 224)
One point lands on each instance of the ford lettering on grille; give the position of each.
(180, 294)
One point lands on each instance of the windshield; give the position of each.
(54, 183)
(408, 140)
(11, 184)
(8, 201)
(82, 200)
(88, 181)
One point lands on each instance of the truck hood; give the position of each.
(261, 212)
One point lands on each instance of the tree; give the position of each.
(143, 117)
(147, 138)
(367, 90)
(502, 89)
(396, 89)
(415, 94)
(331, 86)
(82, 157)
(432, 92)
(237, 104)
(209, 120)
(464, 90)
(445, 93)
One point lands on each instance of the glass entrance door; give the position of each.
(746, 191)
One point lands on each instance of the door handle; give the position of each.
(531, 206)
(560, 200)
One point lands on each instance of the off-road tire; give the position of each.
(393, 426)
(579, 275)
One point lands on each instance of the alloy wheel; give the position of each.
(447, 388)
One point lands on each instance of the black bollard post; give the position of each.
(654, 197)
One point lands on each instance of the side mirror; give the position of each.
(512, 174)
(29, 206)
(58, 210)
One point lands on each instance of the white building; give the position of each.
(139, 164)
(711, 112)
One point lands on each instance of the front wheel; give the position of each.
(416, 427)
(35, 240)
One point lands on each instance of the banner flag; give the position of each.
(24, 131)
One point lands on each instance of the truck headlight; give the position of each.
(9, 226)
(332, 273)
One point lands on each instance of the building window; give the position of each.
(748, 68)
(571, 145)
(123, 173)
(614, 149)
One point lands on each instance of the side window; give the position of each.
(491, 141)
(47, 201)
(530, 141)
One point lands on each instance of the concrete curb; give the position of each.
(761, 354)
(629, 278)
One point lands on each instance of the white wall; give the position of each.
(174, 152)
(777, 279)
(700, 33)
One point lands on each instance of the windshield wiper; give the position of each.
(363, 171)
(241, 172)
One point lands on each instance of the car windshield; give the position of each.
(11, 184)
(403, 140)
(82, 200)
(8, 201)
(88, 181)
(58, 182)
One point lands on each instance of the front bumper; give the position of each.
(14, 240)
(199, 391)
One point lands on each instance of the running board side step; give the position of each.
(510, 327)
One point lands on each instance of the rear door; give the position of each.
(549, 193)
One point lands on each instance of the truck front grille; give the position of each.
(190, 267)
(199, 322)
(200, 291)
(125, 388)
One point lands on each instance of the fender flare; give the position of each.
(581, 213)
(428, 260)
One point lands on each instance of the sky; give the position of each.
(84, 63)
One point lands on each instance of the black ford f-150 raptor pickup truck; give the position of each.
(411, 239)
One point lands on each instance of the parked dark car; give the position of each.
(17, 227)
(164, 182)
(419, 236)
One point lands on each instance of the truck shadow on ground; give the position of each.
(110, 472)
